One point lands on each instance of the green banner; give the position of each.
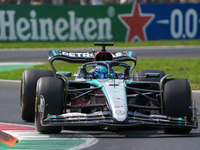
(58, 23)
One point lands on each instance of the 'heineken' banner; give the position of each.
(100, 23)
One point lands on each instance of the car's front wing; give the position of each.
(103, 118)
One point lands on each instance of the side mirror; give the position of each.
(67, 74)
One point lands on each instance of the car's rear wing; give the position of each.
(83, 57)
(71, 57)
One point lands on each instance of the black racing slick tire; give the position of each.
(52, 90)
(177, 102)
(28, 91)
(140, 75)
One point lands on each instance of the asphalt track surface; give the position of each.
(135, 138)
(156, 52)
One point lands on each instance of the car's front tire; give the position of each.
(28, 88)
(52, 90)
(177, 102)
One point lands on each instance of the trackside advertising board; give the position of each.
(99, 23)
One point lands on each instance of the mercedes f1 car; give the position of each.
(104, 92)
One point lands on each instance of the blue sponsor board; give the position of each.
(162, 22)
(177, 21)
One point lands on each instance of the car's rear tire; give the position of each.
(177, 102)
(52, 90)
(28, 88)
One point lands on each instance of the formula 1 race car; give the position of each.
(103, 92)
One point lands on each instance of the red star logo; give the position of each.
(136, 23)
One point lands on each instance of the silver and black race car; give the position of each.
(105, 93)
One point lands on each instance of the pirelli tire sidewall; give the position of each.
(177, 97)
(28, 91)
(51, 89)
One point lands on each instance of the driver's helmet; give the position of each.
(101, 72)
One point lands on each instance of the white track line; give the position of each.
(12, 81)
(89, 139)
(20, 63)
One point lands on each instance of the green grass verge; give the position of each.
(57, 45)
(180, 68)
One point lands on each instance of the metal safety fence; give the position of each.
(91, 2)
